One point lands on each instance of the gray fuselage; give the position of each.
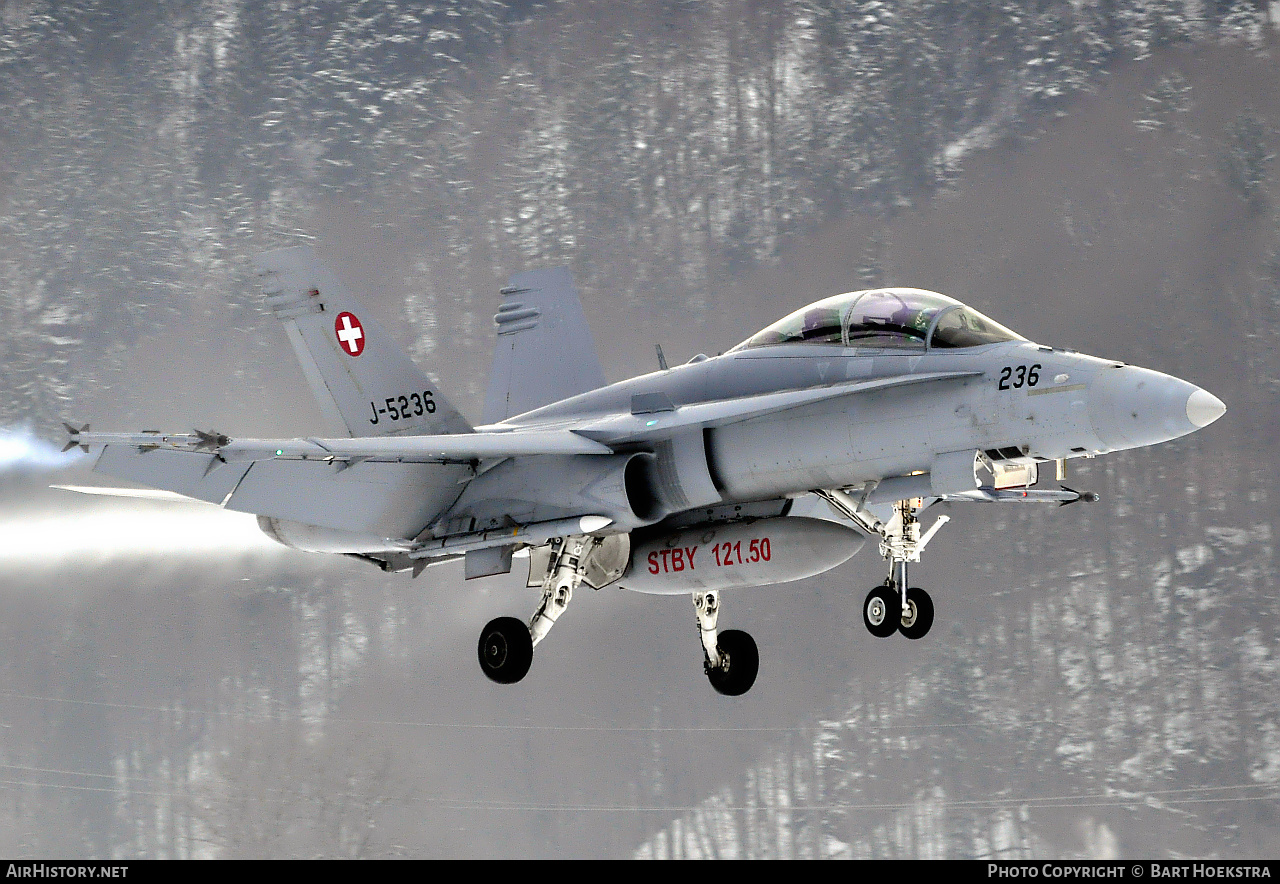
(1066, 405)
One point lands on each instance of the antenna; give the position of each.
(662, 360)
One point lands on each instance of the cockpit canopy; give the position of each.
(885, 319)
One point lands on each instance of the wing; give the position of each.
(387, 486)
(544, 351)
(653, 418)
(456, 447)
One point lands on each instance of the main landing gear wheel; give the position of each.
(506, 650)
(740, 661)
(882, 611)
(730, 658)
(506, 644)
(919, 614)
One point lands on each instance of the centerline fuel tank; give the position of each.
(721, 555)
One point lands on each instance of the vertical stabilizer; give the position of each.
(361, 378)
(544, 352)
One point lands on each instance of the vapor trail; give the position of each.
(21, 449)
(122, 531)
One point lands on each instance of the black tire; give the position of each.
(744, 663)
(917, 626)
(882, 611)
(505, 650)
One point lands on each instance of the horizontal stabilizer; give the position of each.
(383, 499)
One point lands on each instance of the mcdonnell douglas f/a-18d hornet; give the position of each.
(772, 462)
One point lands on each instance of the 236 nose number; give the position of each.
(1014, 377)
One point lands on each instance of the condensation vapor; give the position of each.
(74, 526)
(122, 530)
(21, 449)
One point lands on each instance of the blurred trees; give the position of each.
(149, 147)
(1246, 157)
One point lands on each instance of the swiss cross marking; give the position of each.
(350, 333)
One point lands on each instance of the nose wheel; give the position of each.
(883, 612)
(917, 617)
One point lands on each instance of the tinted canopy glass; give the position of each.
(884, 319)
(895, 319)
(966, 327)
(819, 323)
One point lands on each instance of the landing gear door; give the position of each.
(608, 561)
(603, 566)
(539, 559)
(954, 472)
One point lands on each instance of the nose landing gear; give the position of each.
(901, 542)
(893, 606)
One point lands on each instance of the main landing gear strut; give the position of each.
(894, 606)
(506, 644)
(730, 658)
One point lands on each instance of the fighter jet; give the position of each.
(774, 461)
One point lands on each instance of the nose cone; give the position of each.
(1203, 408)
(1130, 407)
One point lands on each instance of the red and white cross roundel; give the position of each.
(350, 333)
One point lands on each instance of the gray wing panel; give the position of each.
(544, 352)
(190, 473)
(459, 446)
(381, 499)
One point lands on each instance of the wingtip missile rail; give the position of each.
(74, 440)
(148, 440)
